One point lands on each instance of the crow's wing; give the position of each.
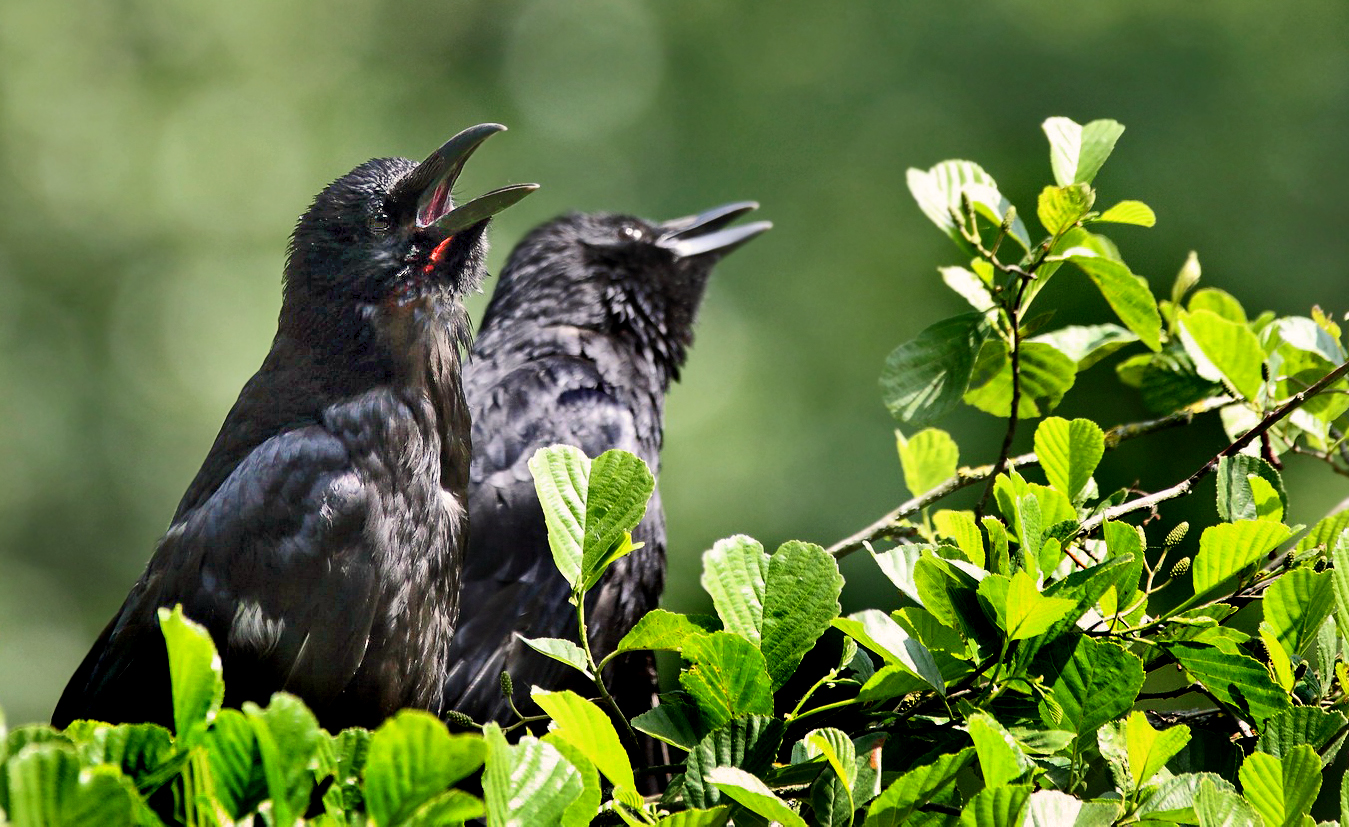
(275, 564)
(510, 582)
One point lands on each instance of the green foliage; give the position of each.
(1010, 678)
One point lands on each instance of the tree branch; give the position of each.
(889, 528)
(1182, 488)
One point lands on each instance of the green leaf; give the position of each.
(1296, 605)
(1130, 212)
(1216, 807)
(1243, 683)
(939, 192)
(1022, 611)
(1090, 682)
(1063, 206)
(1127, 294)
(195, 674)
(1236, 497)
(288, 738)
(960, 527)
(676, 721)
(1077, 152)
(581, 811)
(1175, 795)
(1339, 559)
(735, 574)
(878, 632)
(1001, 758)
(1149, 749)
(748, 743)
(753, 794)
(620, 486)
(561, 476)
(837, 792)
(452, 807)
(1223, 351)
(1046, 375)
(1227, 550)
(238, 779)
(1051, 808)
(715, 817)
(800, 599)
(1069, 452)
(728, 677)
(929, 458)
(1282, 790)
(1124, 540)
(528, 783)
(1186, 279)
(969, 286)
(1218, 301)
(562, 651)
(1087, 344)
(46, 786)
(897, 804)
(660, 630)
(1317, 728)
(585, 726)
(925, 378)
(589, 507)
(898, 562)
(996, 807)
(412, 759)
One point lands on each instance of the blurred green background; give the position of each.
(154, 157)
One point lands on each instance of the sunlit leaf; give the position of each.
(727, 677)
(878, 632)
(1297, 604)
(1149, 748)
(1317, 728)
(996, 807)
(735, 574)
(659, 629)
(1063, 206)
(1223, 351)
(1076, 152)
(1236, 496)
(940, 190)
(412, 759)
(1130, 212)
(1241, 682)
(1088, 344)
(1022, 611)
(1282, 789)
(1069, 452)
(1229, 549)
(753, 794)
(898, 802)
(585, 726)
(800, 599)
(195, 673)
(1046, 375)
(1127, 294)
(1001, 758)
(562, 651)
(526, 783)
(929, 458)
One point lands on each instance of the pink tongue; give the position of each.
(436, 206)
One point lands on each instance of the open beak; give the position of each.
(707, 232)
(428, 186)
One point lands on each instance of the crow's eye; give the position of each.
(631, 233)
(379, 225)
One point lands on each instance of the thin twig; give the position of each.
(1182, 488)
(889, 528)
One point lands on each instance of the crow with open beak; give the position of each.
(590, 322)
(321, 542)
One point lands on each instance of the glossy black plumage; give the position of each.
(589, 323)
(321, 541)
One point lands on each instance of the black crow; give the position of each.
(590, 321)
(322, 540)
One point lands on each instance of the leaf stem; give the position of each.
(630, 742)
(1184, 486)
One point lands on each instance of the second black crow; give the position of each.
(590, 322)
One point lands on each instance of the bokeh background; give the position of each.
(154, 157)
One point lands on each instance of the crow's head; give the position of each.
(622, 275)
(385, 248)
